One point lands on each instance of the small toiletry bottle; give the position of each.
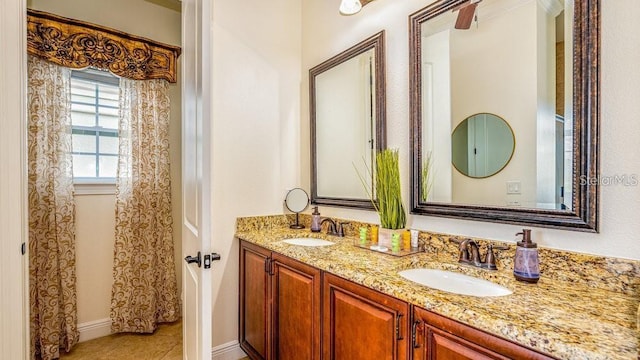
(374, 235)
(414, 238)
(395, 242)
(363, 236)
(526, 266)
(315, 220)
(406, 240)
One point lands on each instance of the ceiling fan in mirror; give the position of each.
(466, 14)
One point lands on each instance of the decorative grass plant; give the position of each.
(387, 189)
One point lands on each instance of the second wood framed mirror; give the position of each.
(538, 64)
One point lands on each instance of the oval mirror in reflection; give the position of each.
(296, 201)
(482, 145)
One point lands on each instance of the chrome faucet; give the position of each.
(334, 229)
(470, 254)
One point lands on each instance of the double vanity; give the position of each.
(306, 295)
(504, 127)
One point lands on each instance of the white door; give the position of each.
(13, 182)
(196, 179)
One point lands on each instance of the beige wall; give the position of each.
(256, 107)
(96, 213)
(505, 48)
(325, 33)
(95, 224)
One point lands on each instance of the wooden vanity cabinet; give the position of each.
(435, 337)
(255, 309)
(279, 306)
(295, 294)
(281, 300)
(361, 323)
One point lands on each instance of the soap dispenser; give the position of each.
(526, 266)
(316, 226)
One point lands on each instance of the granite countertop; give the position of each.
(564, 318)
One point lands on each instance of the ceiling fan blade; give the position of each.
(465, 16)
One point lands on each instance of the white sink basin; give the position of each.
(308, 242)
(454, 282)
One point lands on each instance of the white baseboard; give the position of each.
(227, 351)
(94, 329)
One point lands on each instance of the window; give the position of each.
(94, 120)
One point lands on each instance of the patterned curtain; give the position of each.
(144, 291)
(52, 268)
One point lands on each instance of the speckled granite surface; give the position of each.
(583, 307)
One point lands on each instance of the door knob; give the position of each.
(194, 259)
(209, 258)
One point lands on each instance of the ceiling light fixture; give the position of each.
(350, 7)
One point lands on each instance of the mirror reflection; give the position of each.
(347, 123)
(481, 145)
(513, 59)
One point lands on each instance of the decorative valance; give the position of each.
(78, 44)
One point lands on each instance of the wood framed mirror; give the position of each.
(347, 112)
(538, 63)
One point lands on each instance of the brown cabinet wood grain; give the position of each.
(296, 309)
(290, 310)
(436, 337)
(255, 312)
(279, 306)
(360, 323)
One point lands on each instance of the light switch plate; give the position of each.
(513, 187)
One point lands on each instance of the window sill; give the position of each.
(95, 188)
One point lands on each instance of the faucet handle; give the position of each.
(490, 262)
(340, 227)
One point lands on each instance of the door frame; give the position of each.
(14, 289)
(197, 309)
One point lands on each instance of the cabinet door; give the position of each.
(443, 345)
(254, 301)
(436, 337)
(360, 323)
(295, 291)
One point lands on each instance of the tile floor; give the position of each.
(164, 344)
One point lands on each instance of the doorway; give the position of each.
(95, 201)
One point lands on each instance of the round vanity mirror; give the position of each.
(482, 145)
(296, 201)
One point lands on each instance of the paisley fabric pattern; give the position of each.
(144, 291)
(52, 268)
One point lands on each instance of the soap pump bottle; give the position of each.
(526, 266)
(316, 225)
